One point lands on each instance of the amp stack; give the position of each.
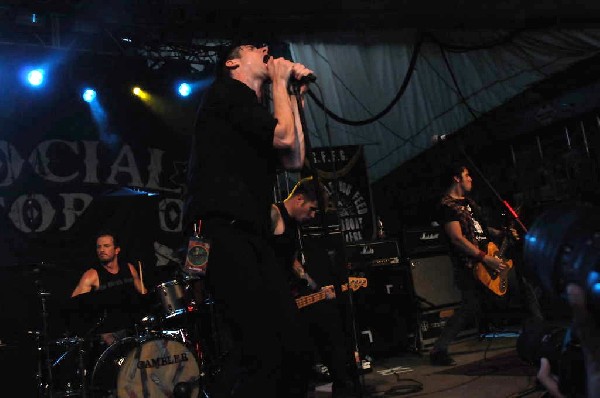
(410, 294)
(431, 271)
(381, 308)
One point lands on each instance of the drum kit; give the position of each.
(166, 352)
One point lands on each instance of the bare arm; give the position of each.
(277, 226)
(289, 136)
(548, 379)
(88, 282)
(454, 232)
(137, 282)
(293, 158)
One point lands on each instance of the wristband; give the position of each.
(480, 256)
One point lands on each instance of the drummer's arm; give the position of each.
(137, 281)
(88, 281)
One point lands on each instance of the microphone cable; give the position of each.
(401, 91)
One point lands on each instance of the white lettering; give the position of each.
(91, 162)
(71, 210)
(40, 161)
(31, 213)
(169, 211)
(154, 170)
(13, 163)
(345, 188)
(130, 168)
(360, 203)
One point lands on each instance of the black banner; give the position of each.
(343, 173)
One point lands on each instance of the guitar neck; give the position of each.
(315, 297)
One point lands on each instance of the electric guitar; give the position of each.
(496, 281)
(353, 283)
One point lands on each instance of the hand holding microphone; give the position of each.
(301, 76)
(281, 68)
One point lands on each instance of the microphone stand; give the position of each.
(314, 172)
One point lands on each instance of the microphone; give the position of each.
(310, 78)
(439, 138)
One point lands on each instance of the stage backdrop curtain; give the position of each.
(358, 78)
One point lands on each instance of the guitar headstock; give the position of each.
(356, 283)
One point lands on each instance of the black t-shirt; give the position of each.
(232, 165)
(476, 220)
(114, 306)
(118, 297)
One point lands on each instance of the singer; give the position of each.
(237, 146)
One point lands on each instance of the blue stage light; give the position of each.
(35, 77)
(184, 89)
(89, 95)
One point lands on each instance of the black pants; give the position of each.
(469, 309)
(475, 299)
(269, 355)
(329, 338)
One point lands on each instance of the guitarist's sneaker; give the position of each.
(441, 358)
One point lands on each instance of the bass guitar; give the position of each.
(353, 283)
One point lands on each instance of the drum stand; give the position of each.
(198, 341)
(44, 381)
(81, 370)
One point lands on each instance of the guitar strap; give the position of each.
(465, 220)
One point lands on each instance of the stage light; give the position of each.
(35, 77)
(141, 93)
(89, 95)
(184, 89)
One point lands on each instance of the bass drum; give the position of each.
(145, 367)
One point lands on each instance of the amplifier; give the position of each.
(432, 322)
(424, 241)
(375, 254)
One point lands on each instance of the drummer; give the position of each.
(117, 287)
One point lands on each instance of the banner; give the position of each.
(343, 173)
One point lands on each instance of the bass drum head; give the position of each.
(145, 367)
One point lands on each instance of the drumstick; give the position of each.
(141, 278)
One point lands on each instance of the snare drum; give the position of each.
(148, 366)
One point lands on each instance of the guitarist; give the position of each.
(323, 320)
(463, 223)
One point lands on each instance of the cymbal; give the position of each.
(4, 346)
(37, 268)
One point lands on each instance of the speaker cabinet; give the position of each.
(383, 310)
(433, 281)
(405, 307)
(431, 323)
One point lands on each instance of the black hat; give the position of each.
(225, 52)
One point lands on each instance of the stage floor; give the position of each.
(486, 367)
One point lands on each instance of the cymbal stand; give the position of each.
(39, 374)
(45, 381)
(82, 369)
